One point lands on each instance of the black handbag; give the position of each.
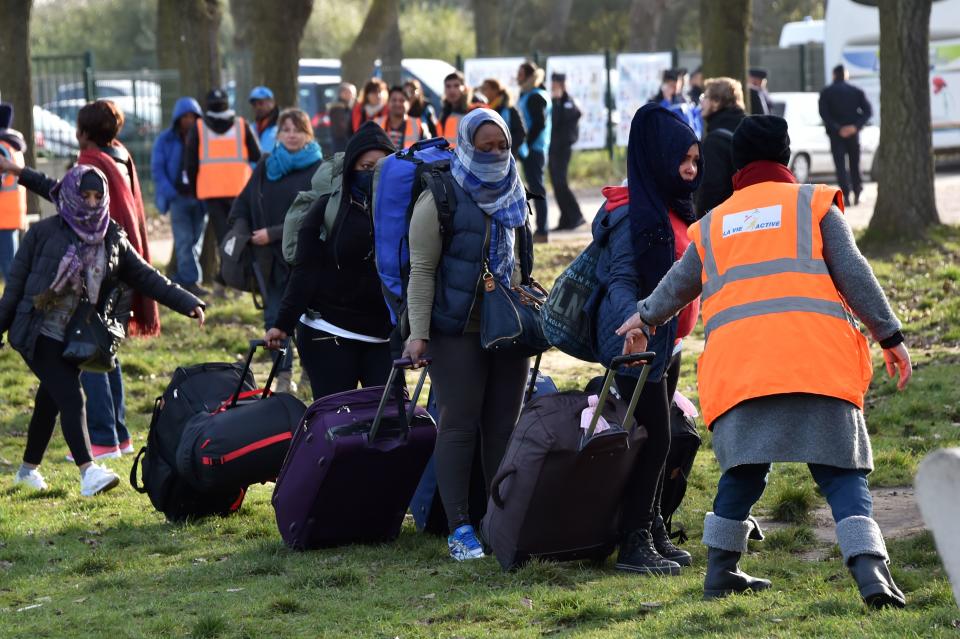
(510, 317)
(91, 340)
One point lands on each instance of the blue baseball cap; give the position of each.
(260, 93)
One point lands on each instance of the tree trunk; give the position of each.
(906, 202)
(379, 37)
(187, 41)
(16, 83)
(486, 24)
(553, 36)
(276, 36)
(674, 16)
(242, 59)
(645, 18)
(725, 33)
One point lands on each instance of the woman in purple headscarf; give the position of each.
(78, 253)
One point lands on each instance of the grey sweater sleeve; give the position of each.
(680, 286)
(854, 278)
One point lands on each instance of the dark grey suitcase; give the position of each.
(558, 490)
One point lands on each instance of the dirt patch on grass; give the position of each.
(894, 509)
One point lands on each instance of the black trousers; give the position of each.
(844, 149)
(335, 364)
(59, 394)
(475, 390)
(218, 212)
(533, 166)
(559, 162)
(641, 500)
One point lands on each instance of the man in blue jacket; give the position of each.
(174, 194)
(536, 107)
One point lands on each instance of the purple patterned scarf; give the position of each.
(90, 224)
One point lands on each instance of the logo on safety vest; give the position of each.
(761, 219)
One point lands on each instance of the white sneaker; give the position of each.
(97, 479)
(33, 480)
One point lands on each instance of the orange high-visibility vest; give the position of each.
(774, 321)
(412, 129)
(13, 197)
(448, 128)
(224, 166)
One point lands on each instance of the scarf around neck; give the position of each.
(493, 183)
(762, 171)
(79, 267)
(282, 162)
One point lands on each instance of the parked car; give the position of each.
(54, 136)
(141, 97)
(134, 125)
(809, 144)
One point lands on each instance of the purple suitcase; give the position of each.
(353, 466)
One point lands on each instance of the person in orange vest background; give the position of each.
(218, 157)
(13, 197)
(785, 367)
(402, 130)
(371, 105)
(456, 104)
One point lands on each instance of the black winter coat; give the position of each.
(718, 167)
(566, 122)
(36, 264)
(263, 204)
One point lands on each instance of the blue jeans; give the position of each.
(271, 308)
(188, 219)
(106, 413)
(9, 243)
(845, 489)
(533, 166)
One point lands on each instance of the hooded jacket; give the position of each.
(167, 159)
(337, 277)
(219, 122)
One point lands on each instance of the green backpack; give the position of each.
(328, 180)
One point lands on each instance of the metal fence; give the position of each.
(63, 84)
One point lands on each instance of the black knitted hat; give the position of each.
(761, 137)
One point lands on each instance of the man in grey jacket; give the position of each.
(810, 422)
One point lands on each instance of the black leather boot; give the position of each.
(875, 582)
(637, 554)
(664, 546)
(724, 576)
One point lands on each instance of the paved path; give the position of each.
(947, 188)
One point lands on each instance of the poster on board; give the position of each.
(638, 79)
(476, 70)
(587, 85)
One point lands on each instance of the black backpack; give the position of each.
(192, 390)
(684, 444)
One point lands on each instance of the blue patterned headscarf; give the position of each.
(492, 181)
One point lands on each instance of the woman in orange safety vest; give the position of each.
(785, 367)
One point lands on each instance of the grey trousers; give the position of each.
(478, 393)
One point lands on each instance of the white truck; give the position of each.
(852, 38)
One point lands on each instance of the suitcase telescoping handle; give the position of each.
(395, 386)
(615, 364)
(254, 345)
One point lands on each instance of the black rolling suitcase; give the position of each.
(558, 490)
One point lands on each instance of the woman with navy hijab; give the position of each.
(477, 391)
(643, 229)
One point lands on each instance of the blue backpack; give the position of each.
(398, 181)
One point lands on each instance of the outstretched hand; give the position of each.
(197, 314)
(633, 322)
(898, 360)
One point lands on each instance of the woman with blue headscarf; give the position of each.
(477, 391)
(642, 228)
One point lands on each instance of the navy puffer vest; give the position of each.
(461, 265)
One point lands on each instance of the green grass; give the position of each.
(112, 567)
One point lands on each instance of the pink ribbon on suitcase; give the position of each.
(587, 415)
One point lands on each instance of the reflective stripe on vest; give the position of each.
(411, 133)
(13, 197)
(224, 166)
(766, 285)
(449, 127)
